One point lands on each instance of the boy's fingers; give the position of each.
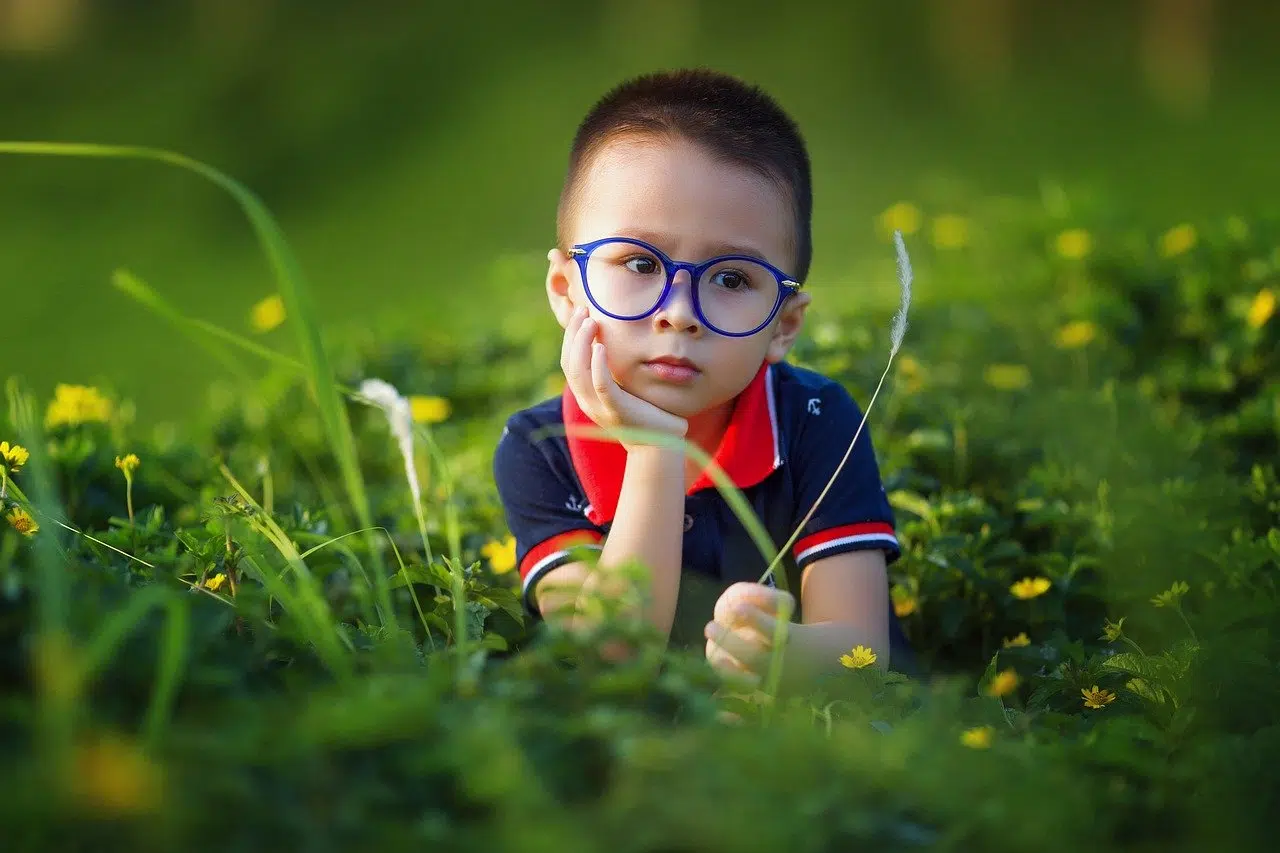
(579, 372)
(758, 619)
(570, 333)
(747, 647)
(730, 667)
(746, 594)
(601, 378)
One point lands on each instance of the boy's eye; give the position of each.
(731, 279)
(642, 265)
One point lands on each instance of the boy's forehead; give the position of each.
(675, 192)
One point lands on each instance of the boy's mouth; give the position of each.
(673, 369)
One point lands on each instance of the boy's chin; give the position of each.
(681, 402)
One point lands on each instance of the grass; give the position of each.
(1034, 500)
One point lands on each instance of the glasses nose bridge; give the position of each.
(690, 268)
(674, 268)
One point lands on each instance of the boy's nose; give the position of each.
(677, 310)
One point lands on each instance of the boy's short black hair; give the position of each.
(730, 118)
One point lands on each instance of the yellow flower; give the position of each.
(1260, 311)
(77, 404)
(977, 738)
(1076, 334)
(1112, 631)
(1030, 588)
(13, 456)
(1074, 244)
(267, 314)
(903, 216)
(429, 410)
(113, 776)
(22, 522)
(1178, 240)
(1096, 699)
(1171, 596)
(501, 555)
(904, 603)
(1017, 642)
(950, 232)
(1003, 684)
(1007, 377)
(128, 464)
(215, 582)
(858, 658)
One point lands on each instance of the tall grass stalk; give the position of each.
(171, 654)
(152, 300)
(53, 645)
(304, 598)
(897, 333)
(298, 306)
(395, 406)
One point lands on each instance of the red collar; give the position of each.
(748, 452)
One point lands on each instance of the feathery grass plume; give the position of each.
(399, 412)
(400, 416)
(897, 333)
(899, 330)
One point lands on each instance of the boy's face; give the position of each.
(674, 195)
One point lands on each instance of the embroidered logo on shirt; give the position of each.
(814, 406)
(575, 504)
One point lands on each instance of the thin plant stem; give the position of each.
(1185, 621)
(128, 496)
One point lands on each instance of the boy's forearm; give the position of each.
(813, 651)
(648, 528)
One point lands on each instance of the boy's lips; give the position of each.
(673, 361)
(673, 369)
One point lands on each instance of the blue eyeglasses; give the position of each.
(733, 295)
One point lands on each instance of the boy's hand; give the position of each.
(586, 370)
(740, 635)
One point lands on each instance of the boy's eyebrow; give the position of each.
(717, 249)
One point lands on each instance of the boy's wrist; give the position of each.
(654, 453)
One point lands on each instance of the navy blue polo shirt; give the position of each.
(789, 430)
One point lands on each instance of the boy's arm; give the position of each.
(845, 548)
(648, 528)
(844, 606)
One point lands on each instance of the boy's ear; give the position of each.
(787, 329)
(560, 288)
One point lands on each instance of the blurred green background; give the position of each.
(413, 151)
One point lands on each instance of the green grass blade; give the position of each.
(52, 580)
(134, 287)
(171, 655)
(298, 306)
(305, 597)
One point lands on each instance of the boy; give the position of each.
(684, 237)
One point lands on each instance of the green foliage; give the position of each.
(1105, 527)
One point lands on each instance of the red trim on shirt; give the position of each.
(871, 529)
(748, 451)
(559, 542)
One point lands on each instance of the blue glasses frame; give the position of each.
(786, 285)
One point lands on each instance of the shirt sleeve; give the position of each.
(543, 506)
(855, 513)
